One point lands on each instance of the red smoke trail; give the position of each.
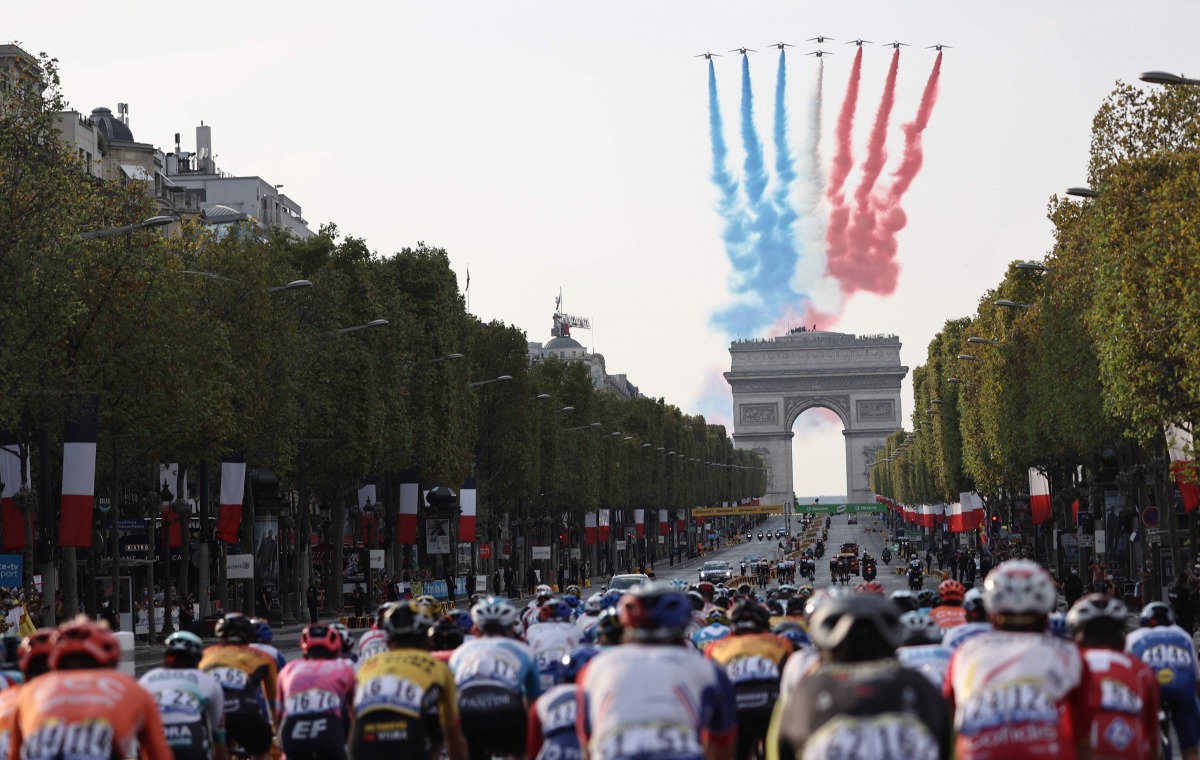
(843, 161)
(854, 266)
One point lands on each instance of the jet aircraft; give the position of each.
(708, 56)
(743, 51)
(938, 47)
(858, 42)
(780, 45)
(819, 53)
(895, 45)
(819, 39)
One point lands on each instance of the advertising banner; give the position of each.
(437, 536)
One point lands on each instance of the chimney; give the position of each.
(204, 157)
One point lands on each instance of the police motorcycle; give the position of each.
(869, 571)
(887, 556)
(916, 576)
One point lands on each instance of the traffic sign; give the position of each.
(1150, 517)
(1156, 536)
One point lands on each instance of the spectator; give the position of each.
(312, 598)
(450, 586)
(358, 598)
(1180, 596)
(109, 615)
(470, 584)
(510, 579)
(496, 583)
(531, 580)
(562, 576)
(575, 571)
(1099, 568)
(1072, 588)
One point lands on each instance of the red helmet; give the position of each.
(85, 637)
(40, 644)
(320, 637)
(951, 591)
(869, 587)
(706, 589)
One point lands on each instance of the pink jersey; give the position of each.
(315, 687)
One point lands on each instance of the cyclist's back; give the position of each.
(247, 676)
(553, 717)
(374, 640)
(315, 696)
(1170, 653)
(190, 701)
(552, 639)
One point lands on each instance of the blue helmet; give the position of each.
(1057, 624)
(1156, 614)
(574, 661)
(680, 585)
(555, 611)
(793, 632)
(572, 600)
(655, 612)
(463, 619)
(262, 631)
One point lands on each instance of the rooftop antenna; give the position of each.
(123, 112)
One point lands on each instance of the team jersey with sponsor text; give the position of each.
(552, 721)
(192, 706)
(952, 638)
(316, 687)
(930, 660)
(948, 616)
(751, 657)
(372, 643)
(246, 674)
(1123, 698)
(495, 661)
(550, 642)
(1169, 651)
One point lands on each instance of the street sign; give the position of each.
(12, 570)
(378, 559)
(1156, 536)
(764, 509)
(1151, 517)
(239, 566)
(541, 552)
(1085, 539)
(485, 551)
(620, 546)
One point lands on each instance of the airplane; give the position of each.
(780, 45)
(743, 51)
(707, 56)
(894, 45)
(938, 47)
(819, 53)
(859, 42)
(819, 39)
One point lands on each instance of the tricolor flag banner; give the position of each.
(406, 521)
(664, 522)
(79, 475)
(233, 490)
(1039, 496)
(972, 507)
(589, 529)
(368, 502)
(680, 520)
(12, 520)
(467, 501)
(604, 526)
(910, 514)
(954, 516)
(1183, 466)
(639, 517)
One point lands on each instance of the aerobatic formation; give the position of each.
(802, 240)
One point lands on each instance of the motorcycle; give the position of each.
(916, 579)
(887, 556)
(868, 571)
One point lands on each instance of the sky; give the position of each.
(550, 145)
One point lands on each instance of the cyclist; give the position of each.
(497, 678)
(591, 613)
(348, 639)
(652, 696)
(869, 587)
(10, 673)
(1124, 692)
(1171, 654)
(190, 701)
(445, 636)
(33, 660)
(905, 600)
(608, 631)
(753, 657)
(374, 640)
(949, 611)
(975, 615)
(861, 702)
(927, 599)
(552, 720)
(315, 698)
(263, 635)
(1016, 692)
(717, 628)
(247, 676)
(543, 594)
(921, 649)
(404, 703)
(552, 639)
(86, 710)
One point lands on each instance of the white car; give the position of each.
(626, 582)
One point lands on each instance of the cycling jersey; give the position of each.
(247, 676)
(86, 715)
(878, 710)
(372, 643)
(753, 662)
(648, 700)
(1018, 695)
(192, 707)
(9, 699)
(550, 642)
(799, 666)
(9, 678)
(948, 616)
(1169, 652)
(274, 653)
(496, 678)
(1124, 704)
(953, 638)
(552, 720)
(930, 660)
(530, 615)
(403, 702)
(708, 634)
(314, 708)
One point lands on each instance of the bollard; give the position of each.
(127, 664)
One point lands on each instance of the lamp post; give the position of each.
(500, 379)
(167, 497)
(154, 221)
(1167, 78)
(357, 328)
(985, 341)
(1012, 304)
(1082, 192)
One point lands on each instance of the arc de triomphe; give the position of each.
(774, 380)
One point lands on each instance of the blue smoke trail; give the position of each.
(756, 178)
(728, 207)
(785, 173)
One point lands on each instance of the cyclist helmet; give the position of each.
(795, 606)
(793, 632)
(592, 605)
(320, 637)
(347, 636)
(775, 607)
(869, 587)
(723, 602)
(1096, 608)
(973, 604)
(1019, 587)
(185, 646)
(573, 662)
(463, 620)
(919, 628)
(805, 591)
(543, 592)
(1056, 625)
(494, 615)
(35, 650)
(445, 634)
(696, 600)
(571, 601)
(856, 627)
(786, 590)
(821, 598)
(88, 638)
(405, 620)
(745, 589)
(1155, 614)
(555, 612)
(680, 585)
(574, 591)
(235, 628)
(717, 617)
(610, 599)
(380, 611)
(951, 592)
(653, 612)
(608, 626)
(750, 617)
(706, 589)
(927, 597)
(429, 604)
(262, 631)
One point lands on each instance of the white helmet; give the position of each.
(543, 592)
(918, 625)
(495, 611)
(593, 606)
(1096, 607)
(1019, 587)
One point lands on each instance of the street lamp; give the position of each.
(154, 221)
(356, 328)
(936, 401)
(542, 397)
(500, 379)
(446, 358)
(983, 340)
(585, 427)
(1032, 266)
(967, 358)
(1167, 78)
(957, 380)
(565, 410)
(1013, 304)
(1082, 192)
(293, 285)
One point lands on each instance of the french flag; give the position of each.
(955, 516)
(664, 522)
(79, 476)
(680, 521)
(604, 518)
(12, 520)
(406, 521)
(589, 529)
(1183, 466)
(972, 510)
(639, 517)
(467, 500)
(233, 490)
(1039, 496)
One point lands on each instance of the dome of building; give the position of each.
(110, 126)
(562, 342)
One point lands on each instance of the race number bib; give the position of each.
(495, 666)
(231, 678)
(392, 692)
(178, 702)
(89, 740)
(752, 669)
(649, 741)
(312, 702)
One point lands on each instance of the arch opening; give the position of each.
(818, 455)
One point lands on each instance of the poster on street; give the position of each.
(437, 536)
